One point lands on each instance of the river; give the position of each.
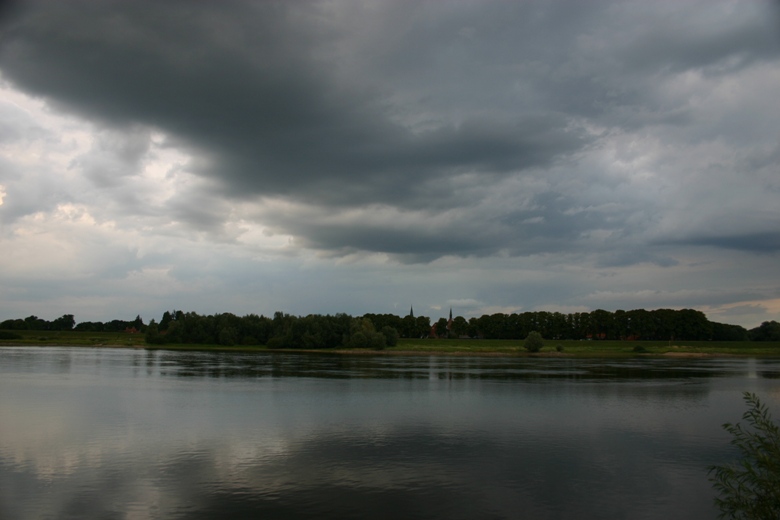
(135, 434)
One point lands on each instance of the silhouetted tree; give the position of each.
(767, 331)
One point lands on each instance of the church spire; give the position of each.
(411, 311)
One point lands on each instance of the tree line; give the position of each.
(68, 322)
(281, 331)
(380, 330)
(65, 322)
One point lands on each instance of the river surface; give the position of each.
(135, 434)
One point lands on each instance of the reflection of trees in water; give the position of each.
(328, 366)
(556, 437)
(768, 368)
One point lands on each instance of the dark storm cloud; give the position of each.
(242, 85)
(631, 256)
(698, 41)
(414, 106)
(766, 242)
(369, 238)
(362, 164)
(537, 223)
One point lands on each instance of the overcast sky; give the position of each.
(357, 156)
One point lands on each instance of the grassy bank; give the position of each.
(73, 338)
(432, 346)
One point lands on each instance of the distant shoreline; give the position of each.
(680, 352)
(551, 348)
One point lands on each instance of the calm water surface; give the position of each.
(122, 433)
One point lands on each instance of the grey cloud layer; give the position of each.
(429, 107)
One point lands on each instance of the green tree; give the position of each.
(460, 327)
(138, 323)
(167, 318)
(533, 342)
(750, 489)
(228, 336)
(89, 326)
(35, 323)
(422, 326)
(726, 332)
(391, 336)
(441, 328)
(152, 335)
(767, 331)
(409, 327)
(363, 335)
(175, 332)
(65, 322)
(17, 324)
(602, 324)
(358, 340)
(473, 329)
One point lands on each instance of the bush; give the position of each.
(750, 489)
(391, 336)
(377, 341)
(559, 348)
(9, 335)
(640, 349)
(358, 340)
(533, 342)
(152, 335)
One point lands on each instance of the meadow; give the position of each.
(430, 346)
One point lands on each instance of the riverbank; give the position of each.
(428, 347)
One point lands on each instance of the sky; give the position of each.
(362, 156)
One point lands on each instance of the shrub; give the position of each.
(152, 335)
(559, 348)
(377, 341)
(750, 489)
(533, 342)
(9, 335)
(374, 340)
(640, 349)
(391, 336)
(358, 340)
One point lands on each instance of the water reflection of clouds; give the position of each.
(478, 475)
(462, 448)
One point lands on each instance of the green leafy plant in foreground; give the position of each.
(750, 488)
